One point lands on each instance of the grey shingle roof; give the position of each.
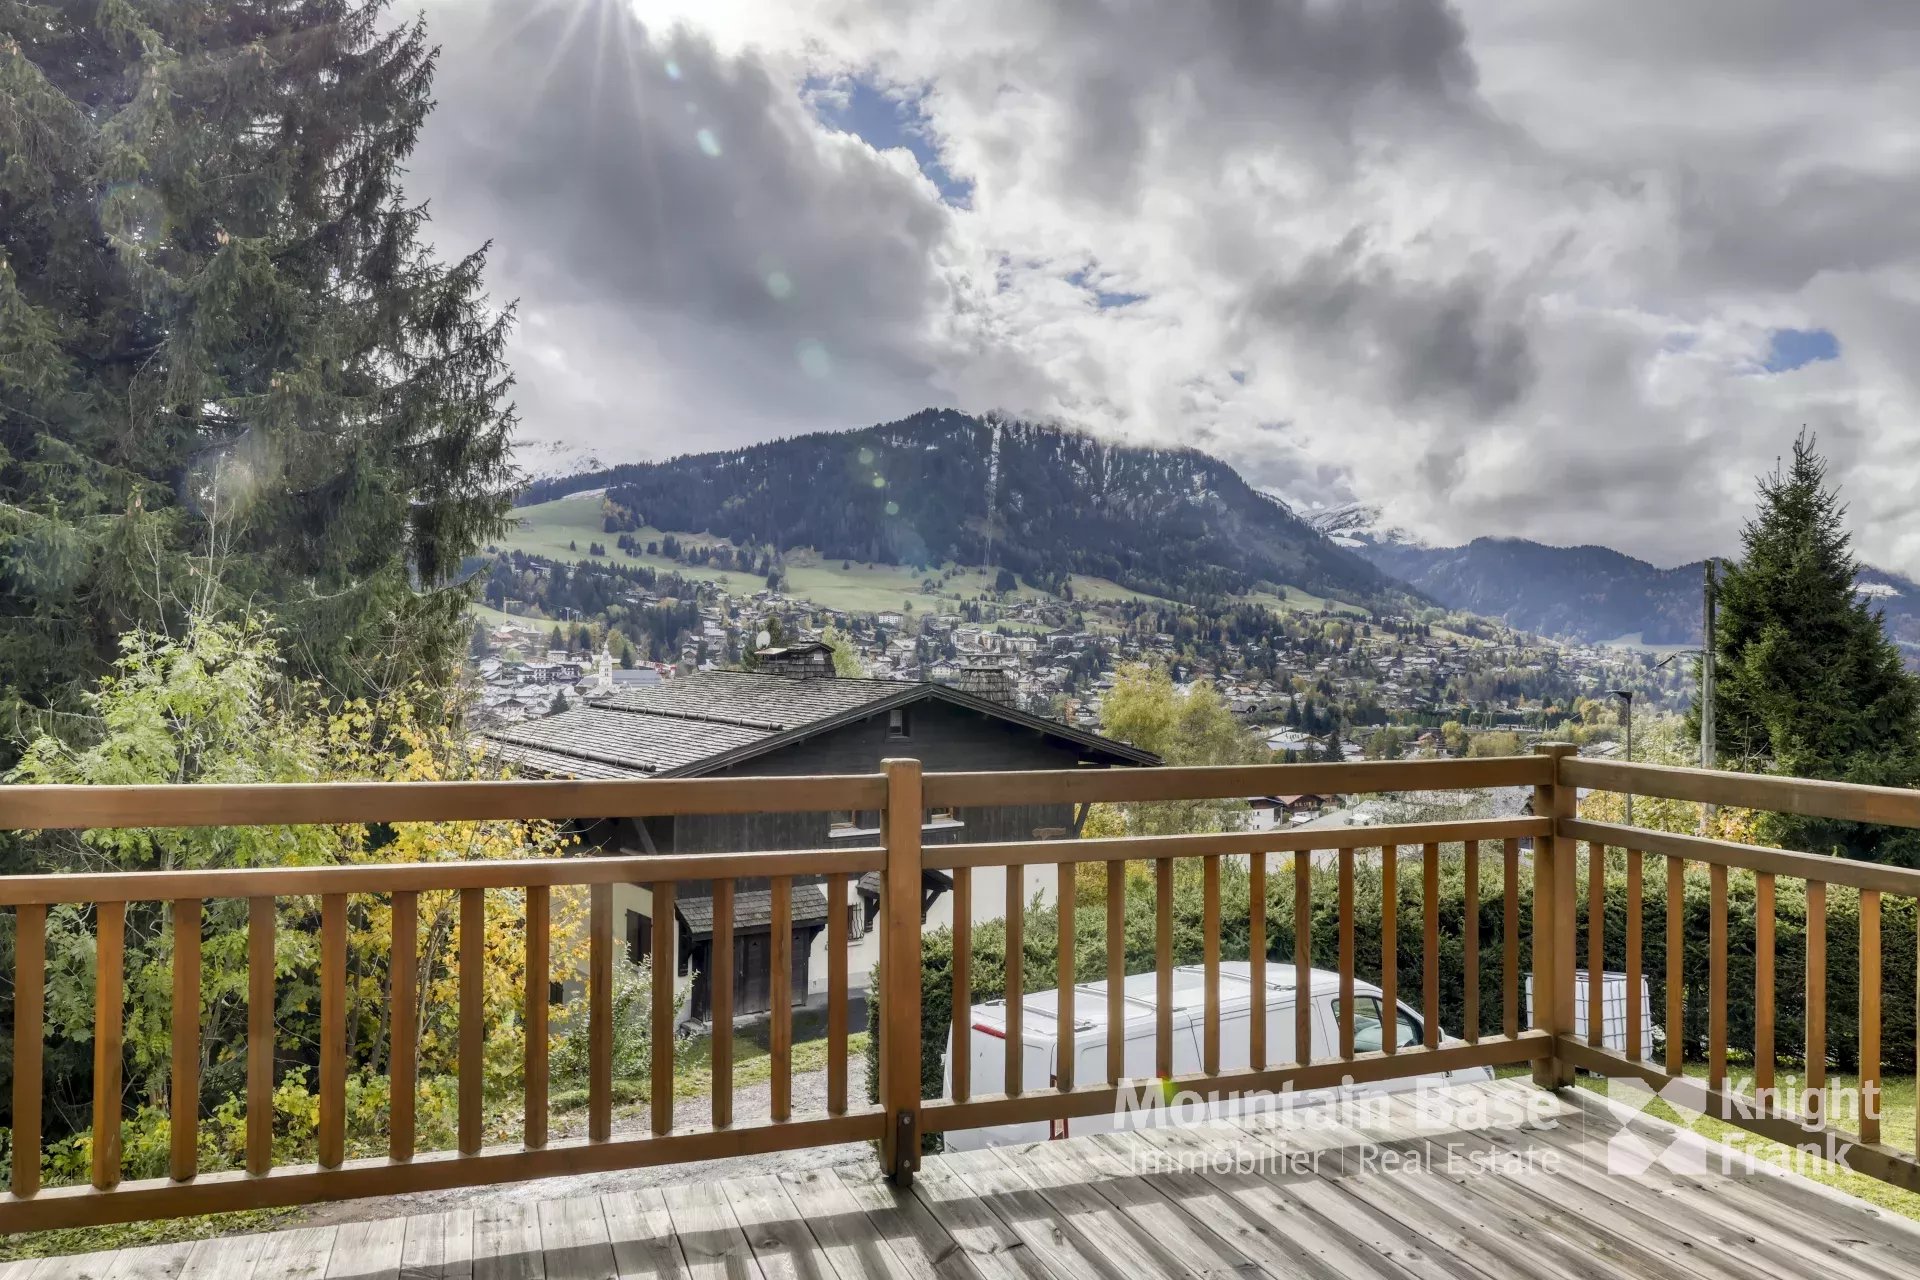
(749, 698)
(713, 718)
(753, 909)
(608, 733)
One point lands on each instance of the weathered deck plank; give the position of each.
(641, 1229)
(1348, 1195)
(710, 1237)
(574, 1238)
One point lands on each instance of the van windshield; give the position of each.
(1368, 1019)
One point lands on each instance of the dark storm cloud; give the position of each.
(1457, 339)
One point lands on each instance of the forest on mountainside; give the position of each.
(1040, 501)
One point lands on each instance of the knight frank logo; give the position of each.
(1647, 1136)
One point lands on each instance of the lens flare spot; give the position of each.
(673, 69)
(708, 143)
(893, 508)
(866, 457)
(813, 359)
(879, 482)
(779, 284)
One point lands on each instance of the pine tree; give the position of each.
(231, 371)
(1807, 682)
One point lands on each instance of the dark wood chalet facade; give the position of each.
(793, 716)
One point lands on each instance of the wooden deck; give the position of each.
(1278, 1196)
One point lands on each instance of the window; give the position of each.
(639, 937)
(897, 724)
(1368, 1018)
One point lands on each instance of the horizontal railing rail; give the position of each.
(418, 877)
(54, 807)
(1807, 797)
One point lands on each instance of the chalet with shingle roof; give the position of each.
(791, 717)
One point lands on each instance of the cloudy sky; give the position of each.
(1575, 271)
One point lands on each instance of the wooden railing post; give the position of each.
(899, 1005)
(1554, 919)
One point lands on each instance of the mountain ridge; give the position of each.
(1039, 500)
(1590, 592)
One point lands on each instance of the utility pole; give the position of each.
(1706, 671)
(1708, 753)
(1626, 698)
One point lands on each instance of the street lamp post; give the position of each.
(1626, 696)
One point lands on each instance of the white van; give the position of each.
(1039, 1035)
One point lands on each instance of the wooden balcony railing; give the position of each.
(1543, 1036)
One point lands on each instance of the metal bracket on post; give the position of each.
(906, 1149)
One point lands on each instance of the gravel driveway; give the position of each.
(751, 1105)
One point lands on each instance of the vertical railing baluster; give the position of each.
(1470, 944)
(1014, 993)
(1163, 968)
(403, 1049)
(29, 1042)
(1676, 964)
(1430, 958)
(1302, 958)
(1510, 939)
(1635, 946)
(1116, 972)
(260, 1034)
(1210, 963)
(837, 908)
(1346, 954)
(538, 997)
(962, 1035)
(1816, 1046)
(1717, 978)
(1870, 1098)
(109, 1006)
(1257, 962)
(183, 1155)
(333, 1030)
(666, 967)
(1390, 948)
(473, 1028)
(780, 982)
(600, 1011)
(720, 1002)
(1763, 901)
(1596, 944)
(1063, 913)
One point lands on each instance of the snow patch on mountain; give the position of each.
(554, 459)
(1360, 524)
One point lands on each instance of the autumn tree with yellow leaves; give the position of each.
(213, 705)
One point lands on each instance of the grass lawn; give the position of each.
(1896, 1130)
(1294, 600)
(547, 529)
